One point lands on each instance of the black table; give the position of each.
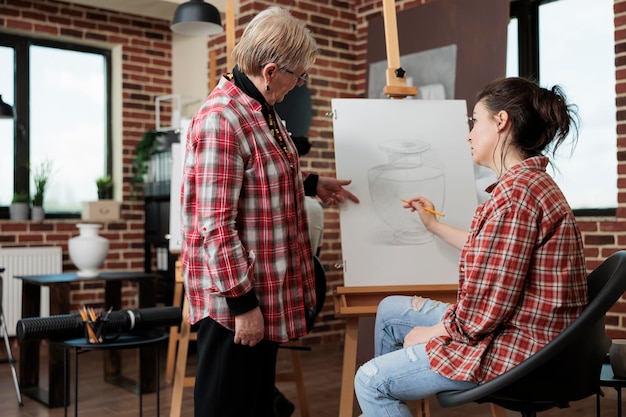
(124, 341)
(607, 379)
(59, 285)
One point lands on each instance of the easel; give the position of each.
(354, 302)
(396, 87)
(178, 348)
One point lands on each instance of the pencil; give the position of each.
(436, 213)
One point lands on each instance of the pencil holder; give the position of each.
(94, 330)
(94, 324)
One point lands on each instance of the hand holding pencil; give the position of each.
(428, 209)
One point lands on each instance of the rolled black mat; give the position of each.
(68, 326)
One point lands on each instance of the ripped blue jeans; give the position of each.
(396, 375)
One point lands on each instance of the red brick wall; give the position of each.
(605, 236)
(340, 28)
(147, 62)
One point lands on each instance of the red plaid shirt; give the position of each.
(522, 278)
(244, 225)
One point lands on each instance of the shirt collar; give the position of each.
(535, 162)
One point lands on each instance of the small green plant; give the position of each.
(105, 187)
(145, 149)
(20, 198)
(41, 176)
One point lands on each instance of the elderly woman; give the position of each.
(246, 256)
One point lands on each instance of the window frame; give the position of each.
(527, 14)
(21, 79)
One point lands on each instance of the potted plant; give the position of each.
(19, 206)
(146, 147)
(41, 176)
(105, 187)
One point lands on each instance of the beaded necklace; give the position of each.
(275, 131)
(247, 87)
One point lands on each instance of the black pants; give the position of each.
(233, 380)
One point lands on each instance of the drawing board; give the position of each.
(178, 155)
(394, 150)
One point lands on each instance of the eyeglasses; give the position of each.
(302, 79)
(470, 122)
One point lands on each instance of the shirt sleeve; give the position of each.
(310, 184)
(494, 267)
(220, 166)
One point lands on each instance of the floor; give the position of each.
(322, 369)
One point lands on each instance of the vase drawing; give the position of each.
(88, 250)
(405, 176)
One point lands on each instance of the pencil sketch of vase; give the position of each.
(405, 176)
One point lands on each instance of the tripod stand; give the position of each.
(9, 359)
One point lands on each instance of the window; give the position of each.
(7, 132)
(570, 43)
(61, 95)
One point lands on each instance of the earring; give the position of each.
(267, 87)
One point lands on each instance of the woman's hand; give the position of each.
(451, 235)
(331, 191)
(422, 334)
(417, 204)
(249, 327)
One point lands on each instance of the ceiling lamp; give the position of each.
(196, 18)
(6, 110)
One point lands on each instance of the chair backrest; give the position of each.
(320, 284)
(320, 292)
(567, 368)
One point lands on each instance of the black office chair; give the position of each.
(5, 334)
(566, 369)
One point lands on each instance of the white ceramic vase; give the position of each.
(88, 250)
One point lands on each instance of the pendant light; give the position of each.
(6, 110)
(196, 18)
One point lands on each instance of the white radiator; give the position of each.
(26, 261)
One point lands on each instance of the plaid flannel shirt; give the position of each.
(244, 224)
(522, 278)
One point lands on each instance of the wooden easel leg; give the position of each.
(497, 411)
(298, 377)
(181, 364)
(346, 400)
(174, 335)
(423, 408)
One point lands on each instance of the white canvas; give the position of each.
(178, 156)
(394, 150)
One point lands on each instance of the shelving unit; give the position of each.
(156, 193)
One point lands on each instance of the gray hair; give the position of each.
(274, 35)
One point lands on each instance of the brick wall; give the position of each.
(605, 236)
(340, 28)
(147, 57)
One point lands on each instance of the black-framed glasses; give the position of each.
(470, 122)
(302, 78)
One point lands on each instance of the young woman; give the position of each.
(522, 276)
